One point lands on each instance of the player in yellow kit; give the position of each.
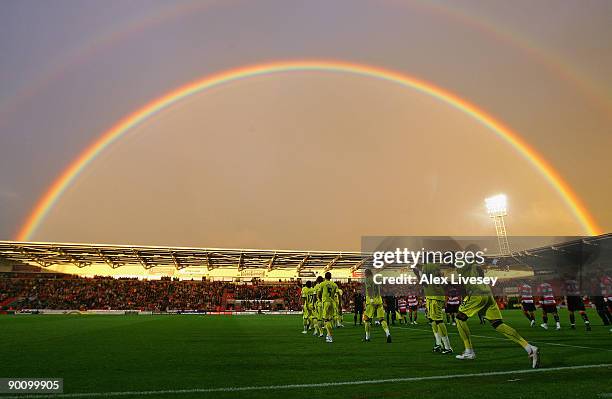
(435, 297)
(306, 308)
(316, 308)
(327, 294)
(478, 299)
(374, 307)
(338, 308)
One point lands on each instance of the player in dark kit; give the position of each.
(602, 309)
(390, 309)
(453, 300)
(575, 303)
(527, 302)
(606, 288)
(358, 308)
(599, 301)
(549, 305)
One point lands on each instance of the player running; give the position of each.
(327, 295)
(306, 313)
(479, 299)
(434, 301)
(527, 302)
(453, 300)
(549, 305)
(374, 307)
(575, 303)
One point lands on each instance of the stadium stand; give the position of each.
(27, 280)
(71, 292)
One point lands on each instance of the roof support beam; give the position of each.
(176, 262)
(271, 262)
(141, 260)
(71, 258)
(358, 265)
(302, 263)
(331, 264)
(41, 261)
(241, 262)
(108, 260)
(209, 264)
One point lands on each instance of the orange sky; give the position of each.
(313, 161)
(306, 160)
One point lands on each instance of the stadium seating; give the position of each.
(71, 292)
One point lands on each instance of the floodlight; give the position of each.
(497, 205)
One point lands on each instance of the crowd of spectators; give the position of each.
(66, 292)
(108, 293)
(261, 295)
(152, 295)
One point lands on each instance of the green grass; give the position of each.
(144, 353)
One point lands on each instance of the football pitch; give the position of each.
(262, 356)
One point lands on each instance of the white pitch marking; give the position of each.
(300, 386)
(504, 339)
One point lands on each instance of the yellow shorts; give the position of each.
(374, 311)
(435, 309)
(484, 305)
(328, 310)
(306, 312)
(314, 312)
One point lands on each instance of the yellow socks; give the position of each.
(512, 334)
(464, 333)
(328, 327)
(385, 327)
(444, 335)
(435, 329)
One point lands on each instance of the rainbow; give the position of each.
(57, 188)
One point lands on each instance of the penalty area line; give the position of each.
(299, 386)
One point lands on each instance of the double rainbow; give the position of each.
(55, 191)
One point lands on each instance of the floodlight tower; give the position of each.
(497, 208)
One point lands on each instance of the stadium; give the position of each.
(195, 330)
(343, 199)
